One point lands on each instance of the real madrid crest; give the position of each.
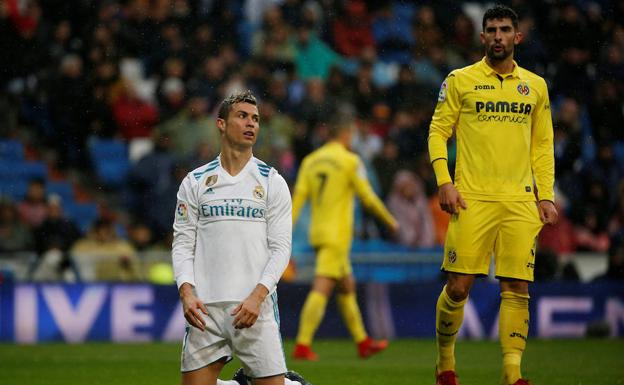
(258, 192)
(212, 179)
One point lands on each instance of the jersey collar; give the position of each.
(489, 71)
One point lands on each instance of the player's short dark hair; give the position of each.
(501, 12)
(341, 119)
(237, 97)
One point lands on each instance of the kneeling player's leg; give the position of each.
(449, 317)
(204, 376)
(515, 258)
(349, 309)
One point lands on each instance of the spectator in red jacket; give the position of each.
(353, 32)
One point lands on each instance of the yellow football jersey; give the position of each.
(329, 178)
(504, 134)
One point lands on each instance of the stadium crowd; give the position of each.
(79, 79)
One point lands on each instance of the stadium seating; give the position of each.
(110, 160)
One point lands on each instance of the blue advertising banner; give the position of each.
(32, 313)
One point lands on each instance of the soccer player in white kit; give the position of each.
(232, 242)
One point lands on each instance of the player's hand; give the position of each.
(394, 228)
(247, 312)
(192, 307)
(450, 199)
(548, 212)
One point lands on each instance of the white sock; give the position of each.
(232, 382)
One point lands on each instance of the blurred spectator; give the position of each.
(69, 100)
(615, 267)
(386, 164)
(313, 57)
(110, 258)
(140, 236)
(33, 209)
(392, 32)
(153, 186)
(408, 203)
(172, 97)
(14, 236)
(353, 30)
(54, 238)
(560, 237)
(189, 127)
(134, 117)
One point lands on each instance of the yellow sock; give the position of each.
(347, 304)
(449, 317)
(311, 317)
(513, 331)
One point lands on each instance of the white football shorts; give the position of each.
(259, 348)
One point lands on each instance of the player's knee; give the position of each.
(457, 292)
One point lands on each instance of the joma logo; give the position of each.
(484, 87)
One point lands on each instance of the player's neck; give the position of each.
(233, 161)
(502, 67)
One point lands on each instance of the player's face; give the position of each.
(240, 128)
(499, 38)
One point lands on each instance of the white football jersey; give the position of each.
(231, 232)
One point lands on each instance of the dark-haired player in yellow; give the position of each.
(503, 188)
(329, 178)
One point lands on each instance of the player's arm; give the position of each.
(542, 156)
(369, 199)
(300, 195)
(279, 239)
(441, 129)
(183, 252)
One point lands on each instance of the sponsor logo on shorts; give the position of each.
(452, 256)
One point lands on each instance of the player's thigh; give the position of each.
(470, 238)
(515, 245)
(202, 348)
(259, 347)
(204, 376)
(332, 262)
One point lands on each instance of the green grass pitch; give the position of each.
(554, 362)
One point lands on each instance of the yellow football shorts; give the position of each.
(507, 230)
(332, 261)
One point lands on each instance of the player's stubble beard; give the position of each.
(495, 58)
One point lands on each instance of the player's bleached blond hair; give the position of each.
(237, 97)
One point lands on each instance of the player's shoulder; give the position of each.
(263, 168)
(197, 174)
(525, 74)
(462, 72)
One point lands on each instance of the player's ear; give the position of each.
(482, 37)
(221, 125)
(518, 38)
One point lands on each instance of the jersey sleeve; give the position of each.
(542, 150)
(301, 192)
(184, 233)
(368, 197)
(279, 231)
(441, 129)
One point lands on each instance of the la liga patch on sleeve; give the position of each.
(181, 215)
(442, 93)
